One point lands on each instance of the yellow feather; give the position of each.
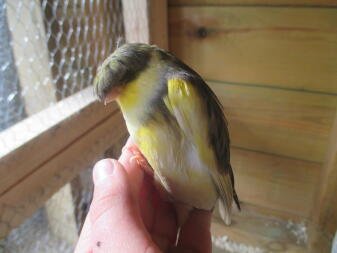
(135, 96)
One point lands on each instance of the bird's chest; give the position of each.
(177, 164)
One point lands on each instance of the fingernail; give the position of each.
(103, 169)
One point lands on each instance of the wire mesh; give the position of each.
(50, 49)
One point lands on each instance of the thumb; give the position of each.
(116, 224)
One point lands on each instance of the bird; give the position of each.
(178, 124)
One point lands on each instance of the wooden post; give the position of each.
(158, 23)
(324, 212)
(30, 50)
(146, 21)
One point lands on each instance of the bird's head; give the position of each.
(120, 68)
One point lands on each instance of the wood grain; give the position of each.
(136, 22)
(293, 48)
(282, 122)
(278, 183)
(158, 23)
(146, 21)
(256, 2)
(324, 210)
(22, 199)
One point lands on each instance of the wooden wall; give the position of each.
(273, 65)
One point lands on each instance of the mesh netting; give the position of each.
(50, 49)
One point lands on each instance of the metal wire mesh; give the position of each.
(50, 49)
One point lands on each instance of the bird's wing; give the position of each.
(200, 116)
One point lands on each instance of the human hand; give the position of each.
(127, 214)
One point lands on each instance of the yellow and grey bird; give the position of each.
(177, 123)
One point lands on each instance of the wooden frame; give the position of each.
(324, 210)
(67, 137)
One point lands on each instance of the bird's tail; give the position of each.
(226, 211)
(237, 202)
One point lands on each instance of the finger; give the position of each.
(116, 224)
(158, 215)
(84, 242)
(164, 228)
(195, 234)
(146, 202)
(142, 183)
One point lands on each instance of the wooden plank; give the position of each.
(324, 210)
(146, 21)
(258, 231)
(21, 200)
(284, 185)
(158, 23)
(283, 122)
(267, 46)
(256, 2)
(136, 23)
(50, 131)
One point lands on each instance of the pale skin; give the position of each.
(128, 215)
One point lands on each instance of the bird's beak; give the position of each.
(111, 96)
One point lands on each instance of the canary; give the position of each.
(176, 121)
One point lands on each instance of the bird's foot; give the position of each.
(140, 159)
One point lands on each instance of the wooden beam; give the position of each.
(158, 23)
(255, 2)
(22, 200)
(68, 137)
(136, 23)
(146, 21)
(324, 210)
(29, 144)
(50, 131)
